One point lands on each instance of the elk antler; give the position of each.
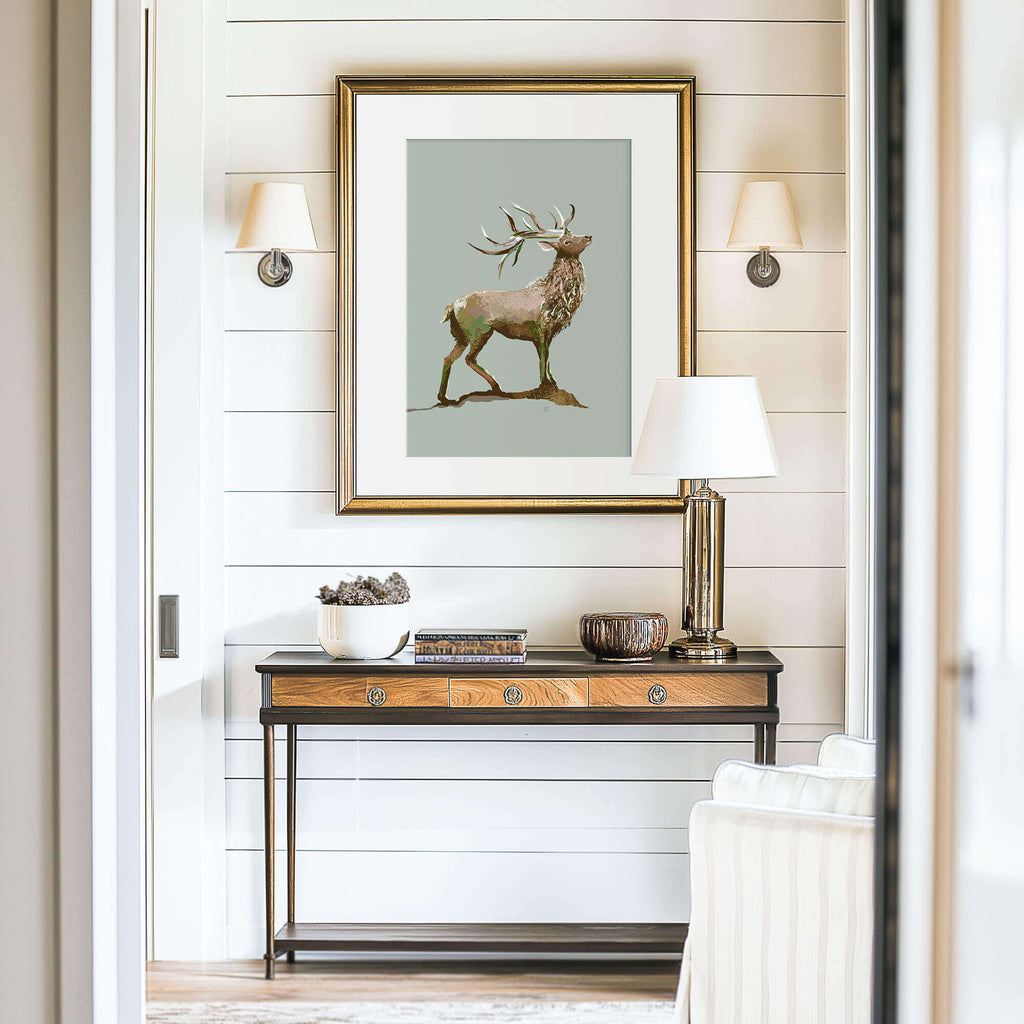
(531, 229)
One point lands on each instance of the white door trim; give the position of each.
(187, 718)
(98, 497)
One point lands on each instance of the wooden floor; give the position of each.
(322, 981)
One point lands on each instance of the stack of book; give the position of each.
(471, 646)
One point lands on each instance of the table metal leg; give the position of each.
(292, 751)
(268, 841)
(769, 744)
(759, 743)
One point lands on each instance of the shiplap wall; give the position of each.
(527, 823)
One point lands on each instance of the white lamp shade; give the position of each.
(765, 218)
(277, 218)
(700, 427)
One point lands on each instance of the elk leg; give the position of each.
(474, 351)
(545, 366)
(442, 391)
(539, 346)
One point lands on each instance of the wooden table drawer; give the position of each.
(407, 691)
(294, 691)
(680, 689)
(488, 692)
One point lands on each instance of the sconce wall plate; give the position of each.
(275, 269)
(763, 269)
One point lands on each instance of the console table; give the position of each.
(552, 688)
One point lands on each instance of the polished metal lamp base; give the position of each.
(702, 647)
(703, 578)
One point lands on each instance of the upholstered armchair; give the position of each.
(781, 883)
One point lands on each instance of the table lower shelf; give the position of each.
(452, 940)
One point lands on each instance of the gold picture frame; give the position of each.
(349, 88)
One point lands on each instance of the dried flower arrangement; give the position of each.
(368, 590)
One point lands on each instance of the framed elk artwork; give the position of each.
(515, 268)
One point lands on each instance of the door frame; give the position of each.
(100, 806)
(99, 618)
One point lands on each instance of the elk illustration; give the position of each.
(535, 313)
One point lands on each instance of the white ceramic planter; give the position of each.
(364, 632)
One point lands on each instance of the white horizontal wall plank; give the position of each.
(811, 691)
(785, 529)
(725, 56)
(820, 201)
(644, 10)
(797, 753)
(810, 733)
(279, 370)
(797, 372)
(493, 840)
(811, 450)
(770, 133)
(282, 370)
(789, 607)
(320, 759)
(459, 888)
(277, 605)
(294, 370)
(763, 134)
(810, 294)
(284, 528)
(284, 451)
(812, 688)
(490, 759)
(792, 607)
(330, 806)
(280, 133)
(306, 303)
(320, 196)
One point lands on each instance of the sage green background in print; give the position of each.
(454, 187)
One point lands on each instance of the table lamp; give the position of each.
(277, 218)
(697, 428)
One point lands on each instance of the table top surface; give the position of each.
(539, 661)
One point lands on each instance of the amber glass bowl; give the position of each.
(623, 636)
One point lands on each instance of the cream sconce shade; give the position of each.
(765, 220)
(277, 218)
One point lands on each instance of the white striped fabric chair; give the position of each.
(781, 884)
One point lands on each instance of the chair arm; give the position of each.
(781, 916)
(801, 787)
(850, 753)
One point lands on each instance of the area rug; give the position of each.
(409, 1013)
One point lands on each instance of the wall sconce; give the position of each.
(277, 218)
(765, 220)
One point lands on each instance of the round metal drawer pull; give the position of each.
(513, 695)
(657, 694)
(376, 696)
